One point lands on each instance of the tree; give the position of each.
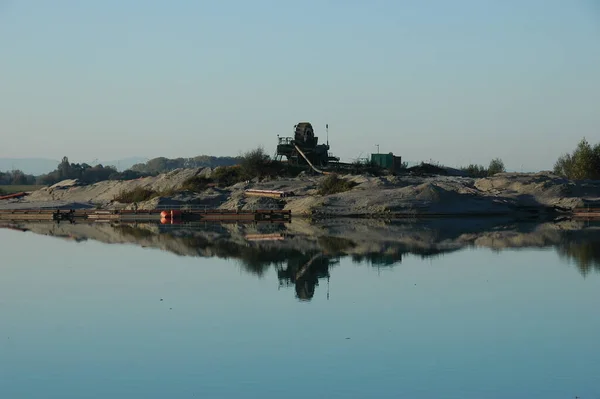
(64, 169)
(496, 166)
(254, 162)
(564, 166)
(583, 163)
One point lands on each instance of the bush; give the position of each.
(583, 163)
(138, 194)
(227, 175)
(254, 163)
(334, 184)
(496, 166)
(196, 183)
(475, 171)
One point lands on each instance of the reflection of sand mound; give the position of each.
(334, 237)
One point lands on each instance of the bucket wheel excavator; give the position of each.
(303, 148)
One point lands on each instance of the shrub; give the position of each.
(196, 183)
(583, 163)
(227, 175)
(138, 194)
(334, 184)
(475, 170)
(254, 163)
(496, 166)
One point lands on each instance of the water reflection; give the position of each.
(303, 254)
(304, 273)
(585, 254)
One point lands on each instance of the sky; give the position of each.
(454, 82)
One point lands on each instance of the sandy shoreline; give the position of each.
(372, 197)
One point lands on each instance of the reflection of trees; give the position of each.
(254, 259)
(335, 245)
(378, 259)
(586, 254)
(302, 269)
(289, 258)
(395, 255)
(133, 231)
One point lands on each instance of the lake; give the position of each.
(343, 310)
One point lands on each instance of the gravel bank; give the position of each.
(383, 196)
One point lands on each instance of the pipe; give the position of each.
(309, 163)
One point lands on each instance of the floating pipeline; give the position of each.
(268, 193)
(164, 216)
(13, 196)
(176, 216)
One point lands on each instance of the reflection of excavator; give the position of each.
(302, 149)
(304, 273)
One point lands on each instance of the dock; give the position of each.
(155, 215)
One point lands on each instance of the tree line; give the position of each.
(92, 174)
(582, 163)
(16, 177)
(496, 166)
(161, 164)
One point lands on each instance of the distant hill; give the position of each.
(40, 166)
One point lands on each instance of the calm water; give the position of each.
(92, 320)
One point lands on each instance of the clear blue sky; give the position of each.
(454, 81)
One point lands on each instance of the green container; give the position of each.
(386, 161)
(383, 160)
